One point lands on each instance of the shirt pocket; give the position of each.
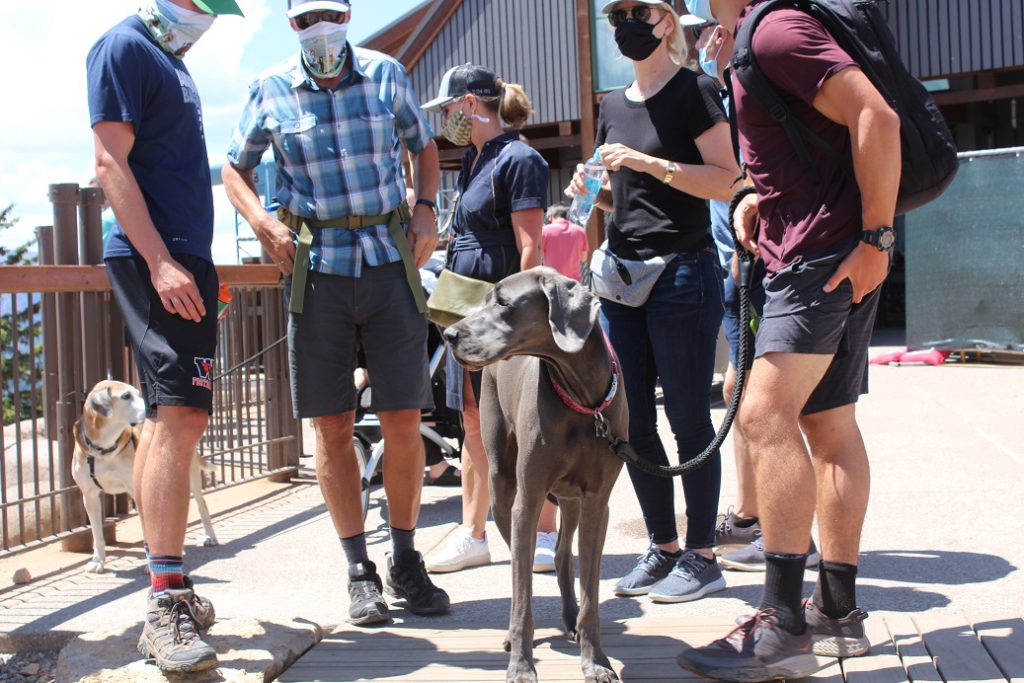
(296, 138)
(377, 134)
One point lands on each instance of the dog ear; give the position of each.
(572, 311)
(100, 402)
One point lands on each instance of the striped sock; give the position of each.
(165, 573)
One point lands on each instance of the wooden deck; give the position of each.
(904, 648)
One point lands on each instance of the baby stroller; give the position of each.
(435, 427)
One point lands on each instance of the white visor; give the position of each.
(301, 7)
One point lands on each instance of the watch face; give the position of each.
(887, 239)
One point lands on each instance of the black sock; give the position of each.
(355, 549)
(744, 522)
(836, 592)
(783, 589)
(402, 539)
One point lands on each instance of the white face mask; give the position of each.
(324, 48)
(175, 28)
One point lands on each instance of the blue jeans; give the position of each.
(673, 337)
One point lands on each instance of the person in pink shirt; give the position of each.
(564, 244)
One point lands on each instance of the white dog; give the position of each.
(105, 439)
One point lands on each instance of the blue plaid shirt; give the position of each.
(337, 151)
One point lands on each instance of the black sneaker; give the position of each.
(407, 579)
(171, 637)
(837, 637)
(729, 536)
(366, 604)
(757, 650)
(652, 567)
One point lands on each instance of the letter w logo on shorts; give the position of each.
(204, 372)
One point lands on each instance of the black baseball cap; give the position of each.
(462, 80)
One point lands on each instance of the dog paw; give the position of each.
(572, 634)
(521, 672)
(599, 674)
(210, 541)
(93, 567)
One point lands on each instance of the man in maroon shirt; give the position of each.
(818, 241)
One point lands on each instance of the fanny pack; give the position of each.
(622, 280)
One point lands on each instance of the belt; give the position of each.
(305, 227)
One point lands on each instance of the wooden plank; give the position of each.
(831, 672)
(56, 279)
(882, 665)
(1003, 638)
(917, 662)
(958, 654)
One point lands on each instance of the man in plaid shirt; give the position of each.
(337, 117)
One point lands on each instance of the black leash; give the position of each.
(621, 448)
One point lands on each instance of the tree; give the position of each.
(20, 337)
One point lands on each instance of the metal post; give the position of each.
(64, 198)
(44, 236)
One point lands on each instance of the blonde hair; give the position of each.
(513, 105)
(679, 48)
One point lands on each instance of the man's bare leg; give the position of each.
(746, 487)
(164, 483)
(337, 471)
(403, 466)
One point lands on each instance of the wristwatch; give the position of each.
(429, 204)
(883, 239)
(670, 172)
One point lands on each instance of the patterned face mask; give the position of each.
(324, 48)
(458, 129)
(175, 28)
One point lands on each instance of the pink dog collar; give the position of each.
(572, 404)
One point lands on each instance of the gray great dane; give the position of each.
(538, 326)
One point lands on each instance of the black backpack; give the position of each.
(859, 27)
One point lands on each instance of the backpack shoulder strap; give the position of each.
(749, 73)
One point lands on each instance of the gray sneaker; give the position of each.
(170, 634)
(729, 536)
(692, 578)
(652, 567)
(751, 557)
(837, 637)
(202, 608)
(757, 650)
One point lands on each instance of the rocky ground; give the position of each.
(28, 667)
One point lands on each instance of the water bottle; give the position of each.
(583, 204)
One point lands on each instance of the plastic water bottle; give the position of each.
(583, 204)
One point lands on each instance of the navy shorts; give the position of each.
(800, 318)
(175, 357)
(731, 319)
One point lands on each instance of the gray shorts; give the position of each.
(375, 312)
(800, 318)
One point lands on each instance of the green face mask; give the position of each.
(458, 129)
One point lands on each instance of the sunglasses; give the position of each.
(641, 13)
(304, 21)
(697, 31)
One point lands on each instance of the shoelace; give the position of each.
(760, 619)
(365, 588)
(182, 621)
(725, 526)
(414, 580)
(692, 563)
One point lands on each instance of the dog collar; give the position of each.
(100, 451)
(572, 404)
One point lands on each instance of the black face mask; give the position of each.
(636, 40)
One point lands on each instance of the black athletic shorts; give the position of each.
(174, 355)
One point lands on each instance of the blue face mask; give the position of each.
(710, 66)
(700, 8)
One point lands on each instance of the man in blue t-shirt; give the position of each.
(152, 163)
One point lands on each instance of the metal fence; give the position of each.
(60, 333)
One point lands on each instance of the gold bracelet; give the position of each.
(670, 172)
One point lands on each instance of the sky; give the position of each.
(47, 137)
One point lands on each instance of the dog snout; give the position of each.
(451, 334)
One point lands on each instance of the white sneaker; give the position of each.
(544, 557)
(459, 552)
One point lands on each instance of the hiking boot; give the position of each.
(751, 557)
(652, 567)
(729, 535)
(202, 609)
(170, 634)
(460, 551)
(758, 650)
(407, 578)
(837, 637)
(365, 603)
(544, 557)
(692, 578)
